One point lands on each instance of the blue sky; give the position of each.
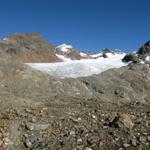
(86, 24)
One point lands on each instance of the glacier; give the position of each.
(80, 68)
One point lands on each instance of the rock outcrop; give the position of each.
(28, 48)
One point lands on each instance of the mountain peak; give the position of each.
(64, 48)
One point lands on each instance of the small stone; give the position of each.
(72, 132)
(33, 126)
(79, 140)
(29, 126)
(87, 148)
(105, 127)
(148, 113)
(33, 120)
(148, 138)
(134, 142)
(147, 124)
(80, 147)
(126, 145)
(36, 138)
(142, 138)
(94, 117)
(79, 119)
(28, 143)
(28, 110)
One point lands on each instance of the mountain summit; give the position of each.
(30, 47)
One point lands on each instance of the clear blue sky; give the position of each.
(86, 24)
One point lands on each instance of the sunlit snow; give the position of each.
(64, 47)
(62, 57)
(96, 55)
(80, 68)
(83, 54)
(147, 58)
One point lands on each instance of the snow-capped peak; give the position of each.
(64, 48)
(5, 39)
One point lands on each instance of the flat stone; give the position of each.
(33, 126)
(72, 132)
(126, 145)
(142, 138)
(87, 148)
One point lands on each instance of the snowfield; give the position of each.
(63, 58)
(80, 68)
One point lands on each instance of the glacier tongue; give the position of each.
(80, 68)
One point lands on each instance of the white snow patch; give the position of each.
(147, 58)
(62, 57)
(96, 55)
(80, 68)
(64, 48)
(142, 62)
(5, 39)
(83, 54)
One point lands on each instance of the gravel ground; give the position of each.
(101, 112)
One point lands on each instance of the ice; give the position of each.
(80, 68)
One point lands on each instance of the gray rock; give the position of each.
(134, 142)
(142, 138)
(72, 132)
(87, 148)
(79, 140)
(29, 126)
(34, 139)
(33, 126)
(126, 145)
(148, 138)
(28, 144)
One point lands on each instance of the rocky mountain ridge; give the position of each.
(28, 48)
(32, 47)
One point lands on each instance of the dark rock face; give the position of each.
(141, 55)
(145, 50)
(106, 50)
(128, 58)
(131, 58)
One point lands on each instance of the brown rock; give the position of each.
(122, 121)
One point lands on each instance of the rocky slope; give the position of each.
(28, 48)
(110, 110)
(141, 56)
